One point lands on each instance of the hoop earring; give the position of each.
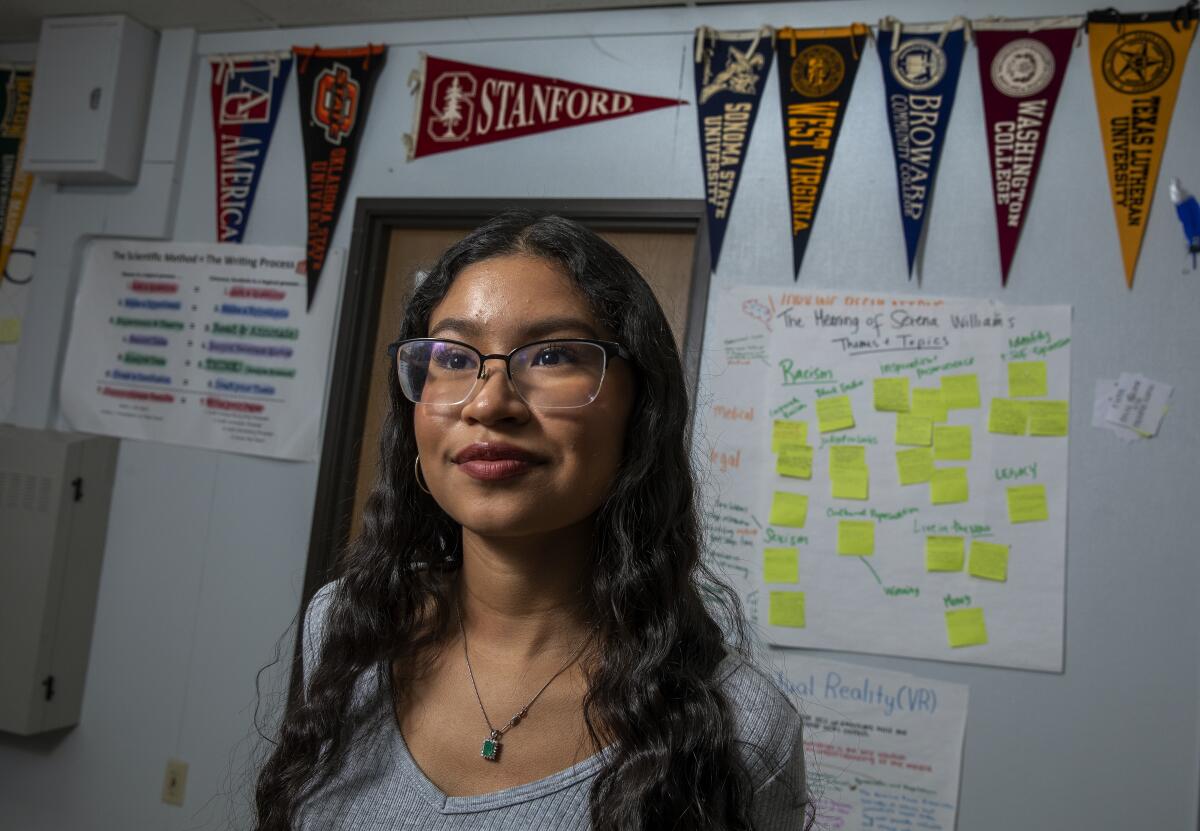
(417, 474)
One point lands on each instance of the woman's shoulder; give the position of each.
(769, 727)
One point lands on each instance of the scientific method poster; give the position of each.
(201, 344)
(889, 472)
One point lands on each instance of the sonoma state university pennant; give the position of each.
(920, 74)
(16, 90)
(246, 91)
(335, 96)
(816, 74)
(462, 105)
(731, 70)
(1137, 61)
(1021, 67)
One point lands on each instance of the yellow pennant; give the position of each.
(1137, 61)
(12, 127)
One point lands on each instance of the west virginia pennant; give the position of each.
(920, 74)
(1137, 61)
(731, 70)
(246, 91)
(16, 90)
(1021, 66)
(335, 96)
(461, 105)
(816, 74)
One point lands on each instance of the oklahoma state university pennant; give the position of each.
(1021, 66)
(1137, 60)
(461, 105)
(16, 90)
(816, 74)
(335, 95)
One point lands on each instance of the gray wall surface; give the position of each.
(205, 553)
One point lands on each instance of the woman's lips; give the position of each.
(494, 469)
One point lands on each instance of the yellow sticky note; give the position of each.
(790, 509)
(1048, 418)
(1008, 417)
(791, 432)
(989, 561)
(965, 627)
(10, 329)
(781, 565)
(929, 403)
(794, 460)
(856, 537)
(787, 609)
(1026, 379)
(961, 391)
(911, 429)
(948, 484)
(891, 395)
(952, 444)
(915, 465)
(834, 413)
(1027, 503)
(847, 457)
(944, 553)
(851, 484)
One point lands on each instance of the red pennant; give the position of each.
(462, 105)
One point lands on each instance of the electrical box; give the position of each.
(55, 490)
(91, 97)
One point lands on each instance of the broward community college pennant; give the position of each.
(246, 91)
(335, 96)
(920, 73)
(731, 69)
(16, 90)
(1021, 67)
(461, 105)
(816, 74)
(1137, 61)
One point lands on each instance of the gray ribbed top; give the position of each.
(381, 788)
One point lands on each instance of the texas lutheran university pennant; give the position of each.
(16, 90)
(1021, 66)
(335, 95)
(1137, 60)
(246, 91)
(920, 74)
(461, 105)
(816, 74)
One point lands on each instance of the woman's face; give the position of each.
(566, 459)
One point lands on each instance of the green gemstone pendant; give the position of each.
(491, 749)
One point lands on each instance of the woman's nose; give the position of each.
(494, 396)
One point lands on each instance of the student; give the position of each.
(525, 634)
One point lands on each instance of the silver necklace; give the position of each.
(490, 749)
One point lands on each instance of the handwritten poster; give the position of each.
(889, 473)
(204, 345)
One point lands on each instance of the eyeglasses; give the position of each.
(547, 374)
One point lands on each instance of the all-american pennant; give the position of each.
(246, 91)
(1021, 65)
(816, 74)
(920, 74)
(335, 96)
(731, 71)
(1137, 61)
(16, 90)
(462, 105)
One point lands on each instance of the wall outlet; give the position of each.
(175, 782)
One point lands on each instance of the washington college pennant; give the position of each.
(335, 96)
(16, 90)
(816, 74)
(731, 70)
(1137, 60)
(461, 105)
(246, 91)
(1021, 66)
(920, 74)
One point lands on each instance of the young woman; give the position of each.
(525, 635)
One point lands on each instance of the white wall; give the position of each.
(206, 552)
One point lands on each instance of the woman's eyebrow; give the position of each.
(533, 331)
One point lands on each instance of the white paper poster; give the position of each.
(14, 298)
(889, 473)
(207, 345)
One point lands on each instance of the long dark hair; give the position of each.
(665, 620)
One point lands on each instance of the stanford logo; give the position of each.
(452, 106)
(335, 102)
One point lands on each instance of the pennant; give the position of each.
(246, 91)
(920, 75)
(1137, 61)
(816, 74)
(1021, 67)
(731, 71)
(16, 90)
(462, 105)
(335, 96)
